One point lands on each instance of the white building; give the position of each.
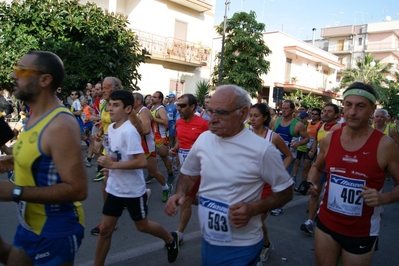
(296, 65)
(178, 35)
(351, 43)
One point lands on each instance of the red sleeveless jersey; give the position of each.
(342, 209)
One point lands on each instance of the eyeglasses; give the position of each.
(222, 113)
(22, 72)
(181, 105)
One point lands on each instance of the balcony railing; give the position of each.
(198, 5)
(383, 46)
(174, 50)
(346, 48)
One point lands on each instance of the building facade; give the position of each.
(296, 65)
(178, 36)
(353, 42)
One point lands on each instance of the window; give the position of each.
(360, 41)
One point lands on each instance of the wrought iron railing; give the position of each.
(172, 48)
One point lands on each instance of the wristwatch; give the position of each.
(16, 193)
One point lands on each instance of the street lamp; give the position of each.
(223, 39)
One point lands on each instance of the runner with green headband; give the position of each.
(356, 158)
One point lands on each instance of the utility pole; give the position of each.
(223, 40)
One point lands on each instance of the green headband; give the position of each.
(360, 92)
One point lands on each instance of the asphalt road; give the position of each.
(130, 247)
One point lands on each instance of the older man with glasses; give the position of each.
(234, 164)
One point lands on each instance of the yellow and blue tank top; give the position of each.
(386, 130)
(104, 116)
(33, 168)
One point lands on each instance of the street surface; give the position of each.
(130, 247)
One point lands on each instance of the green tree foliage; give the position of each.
(367, 73)
(309, 100)
(91, 44)
(202, 90)
(244, 54)
(391, 103)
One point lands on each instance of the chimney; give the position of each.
(314, 32)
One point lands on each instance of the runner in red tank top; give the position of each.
(356, 158)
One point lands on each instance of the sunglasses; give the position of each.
(181, 105)
(24, 72)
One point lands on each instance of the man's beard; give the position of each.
(28, 92)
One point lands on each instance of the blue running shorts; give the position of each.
(230, 255)
(50, 251)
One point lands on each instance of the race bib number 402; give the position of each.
(213, 216)
(344, 195)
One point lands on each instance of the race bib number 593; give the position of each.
(214, 221)
(344, 195)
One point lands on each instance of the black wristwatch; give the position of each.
(16, 193)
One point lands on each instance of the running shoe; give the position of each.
(87, 163)
(148, 179)
(307, 227)
(181, 240)
(264, 255)
(166, 193)
(96, 230)
(99, 177)
(276, 212)
(173, 248)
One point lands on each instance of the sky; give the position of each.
(298, 18)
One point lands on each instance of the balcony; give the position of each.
(198, 5)
(174, 50)
(381, 47)
(341, 49)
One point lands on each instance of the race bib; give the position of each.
(214, 222)
(309, 145)
(21, 207)
(183, 155)
(344, 195)
(170, 116)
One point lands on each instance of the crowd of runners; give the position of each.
(237, 161)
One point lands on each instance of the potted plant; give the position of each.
(294, 80)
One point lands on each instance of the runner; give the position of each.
(189, 127)
(230, 205)
(47, 192)
(260, 117)
(356, 158)
(148, 144)
(125, 181)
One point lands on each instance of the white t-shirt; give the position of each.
(233, 170)
(124, 142)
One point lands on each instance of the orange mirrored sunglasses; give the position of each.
(24, 72)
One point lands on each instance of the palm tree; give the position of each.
(202, 90)
(369, 71)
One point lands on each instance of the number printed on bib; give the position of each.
(213, 216)
(183, 155)
(344, 195)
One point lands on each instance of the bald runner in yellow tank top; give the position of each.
(33, 168)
